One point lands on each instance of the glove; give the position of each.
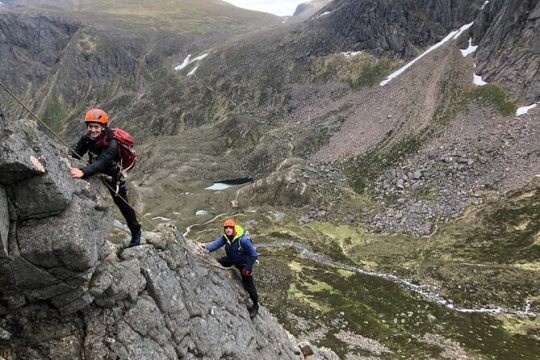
(246, 272)
(202, 248)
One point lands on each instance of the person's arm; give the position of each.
(250, 250)
(216, 244)
(79, 149)
(103, 161)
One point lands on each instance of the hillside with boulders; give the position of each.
(390, 152)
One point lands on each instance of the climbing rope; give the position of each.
(105, 182)
(34, 115)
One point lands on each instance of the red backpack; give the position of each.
(126, 143)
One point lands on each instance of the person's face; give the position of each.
(94, 130)
(229, 230)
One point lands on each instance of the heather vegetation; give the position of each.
(428, 179)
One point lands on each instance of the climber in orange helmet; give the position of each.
(241, 253)
(104, 157)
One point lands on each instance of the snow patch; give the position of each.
(453, 35)
(199, 58)
(326, 13)
(187, 61)
(193, 71)
(218, 186)
(184, 64)
(462, 30)
(161, 218)
(484, 5)
(469, 50)
(350, 53)
(524, 109)
(477, 80)
(201, 212)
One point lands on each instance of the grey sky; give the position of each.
(276, 7)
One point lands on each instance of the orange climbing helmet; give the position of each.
(229, 222)
(96, 116)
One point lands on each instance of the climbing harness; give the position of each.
(104, 181)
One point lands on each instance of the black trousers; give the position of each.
(126, 210)
(248, 282)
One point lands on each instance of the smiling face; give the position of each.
(94, 130)
(229, 230)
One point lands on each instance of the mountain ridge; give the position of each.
(431, 177)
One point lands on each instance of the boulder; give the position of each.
(53, 228)
(29, 159)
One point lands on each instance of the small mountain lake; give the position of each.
(225, 184)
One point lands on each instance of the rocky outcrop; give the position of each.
(66, 292)
(387, 28)
(53, 229)
(286, 186)
(508, 53)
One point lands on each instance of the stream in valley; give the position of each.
(428, 292)
(378, 315)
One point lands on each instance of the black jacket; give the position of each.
(102, 152)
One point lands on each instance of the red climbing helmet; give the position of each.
(96, 116)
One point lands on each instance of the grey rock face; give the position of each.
(4, 222)
(16, 162)
(52, 228)
(53, 187)
(42, 39)
(391, 28)
(65, 295)
(507, 35)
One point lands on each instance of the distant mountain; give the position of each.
(309, 8)
(100, 51)
(430, 161)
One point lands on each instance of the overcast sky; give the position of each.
(276, 7)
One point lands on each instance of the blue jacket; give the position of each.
(240, 250)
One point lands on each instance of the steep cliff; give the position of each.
(398, 29)
(507, 35)
(61, 57)
(67, 292)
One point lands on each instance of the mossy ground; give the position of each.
(318, 302)
(486, 258)
(357, 71)
(489, 257)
